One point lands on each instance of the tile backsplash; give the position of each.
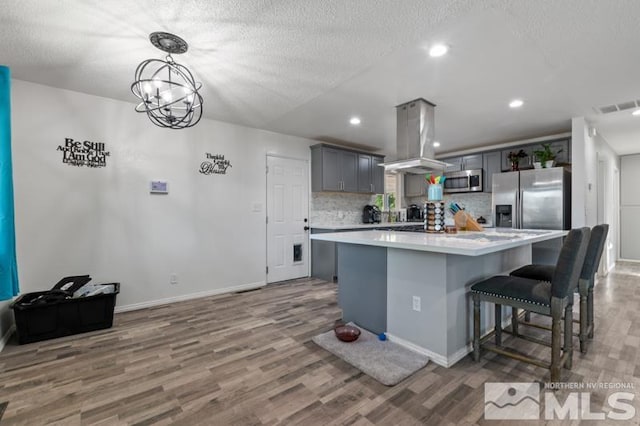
(476, 204)
(338, 208)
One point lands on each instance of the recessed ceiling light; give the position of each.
(636, 112)
(438, 50)
(436, 144)
(516, 103)
(355, 121)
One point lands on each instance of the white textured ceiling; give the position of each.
(305, 67)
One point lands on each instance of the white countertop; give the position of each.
(366, 226)
(464, 243)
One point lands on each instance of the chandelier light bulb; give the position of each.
(167, 97)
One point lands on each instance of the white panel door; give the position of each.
(287, 224)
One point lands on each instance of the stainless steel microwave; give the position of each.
(463, 181)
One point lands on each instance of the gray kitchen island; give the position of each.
(413, 286)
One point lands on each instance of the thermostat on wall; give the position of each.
(159, 187)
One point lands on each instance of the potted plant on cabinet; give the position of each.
(515, 158)
(545, 157)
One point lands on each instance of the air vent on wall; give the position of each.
(622, 106)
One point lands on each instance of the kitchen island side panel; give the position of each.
(362, 285)
(462, 273)
(421, 274)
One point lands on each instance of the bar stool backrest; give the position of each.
(594, 251)
(570, 262)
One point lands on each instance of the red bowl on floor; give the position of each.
(347, 333)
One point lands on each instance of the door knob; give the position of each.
(306, 228)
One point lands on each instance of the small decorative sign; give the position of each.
(87, 153)
(215, 164)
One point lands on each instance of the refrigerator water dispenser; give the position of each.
(504, 216)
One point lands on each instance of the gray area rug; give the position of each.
(387, 362)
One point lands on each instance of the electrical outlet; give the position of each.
(416, 303)
(173, 279)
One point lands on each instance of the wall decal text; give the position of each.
(87, 153)
(215, 165)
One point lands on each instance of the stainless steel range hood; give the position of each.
(415, 133)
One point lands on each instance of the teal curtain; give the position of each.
(8, 267)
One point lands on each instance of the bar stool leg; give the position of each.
(556, 338)
(568, 335)
(514, 320)
(584, 321)
(498, 325)
(590, 311)
(476, 328)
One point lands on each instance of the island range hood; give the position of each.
(415, 133)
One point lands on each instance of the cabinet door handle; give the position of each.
(371, 187)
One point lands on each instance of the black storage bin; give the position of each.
(62, 317)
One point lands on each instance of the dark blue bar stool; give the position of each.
(585, 283)
(551, 298)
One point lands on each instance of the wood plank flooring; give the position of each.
(247, 359)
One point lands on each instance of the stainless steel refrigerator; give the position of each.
(534, 199)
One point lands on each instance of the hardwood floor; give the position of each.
(247, 359)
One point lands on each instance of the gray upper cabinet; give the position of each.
(377, 176)
(364, 173)
(491, 164)
(336, 169)
(454, 164)
(349, 168)
(472, 162)
(329, 177)
(370, 174)
(467, 162)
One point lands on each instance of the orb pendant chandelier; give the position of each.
(167, 90)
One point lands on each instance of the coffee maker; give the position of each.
(414, 213)
(371, 214)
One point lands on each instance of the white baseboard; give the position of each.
(433, 356)
(442, 360)
(5, 338)
(181, 298)
(629, 260)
